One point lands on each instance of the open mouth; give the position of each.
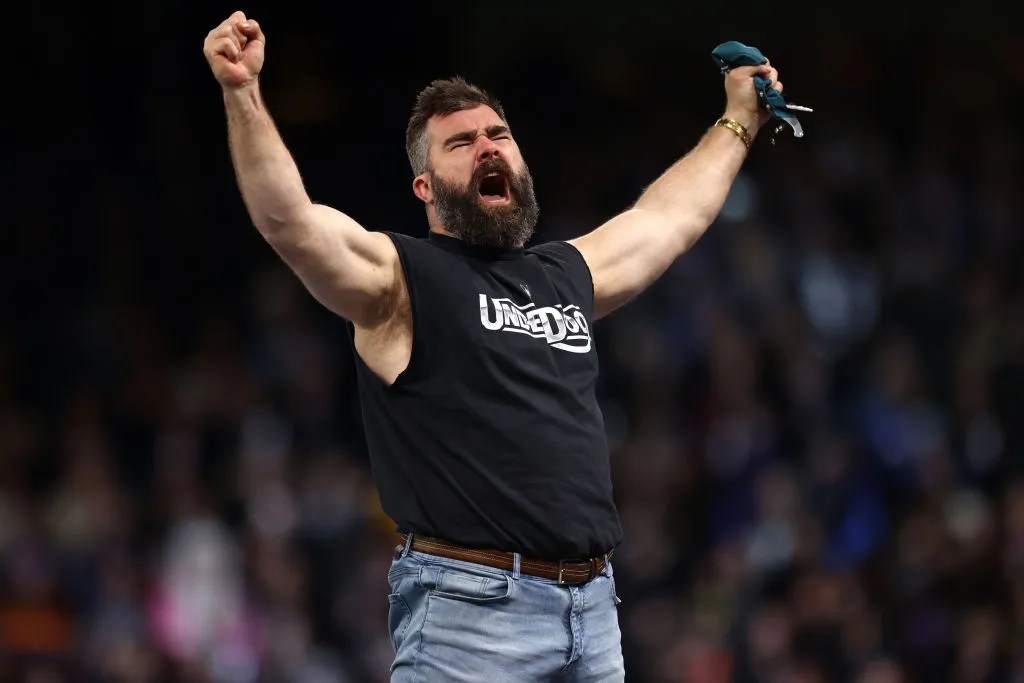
(494, 188)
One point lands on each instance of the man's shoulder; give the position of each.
(420, 254)
(566, 260)
(406, 242)
(558, 251)
(402, 237)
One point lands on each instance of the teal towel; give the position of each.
(734, 53)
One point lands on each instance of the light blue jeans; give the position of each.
(459, 621)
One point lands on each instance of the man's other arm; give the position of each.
(633, 249)
(351, 271)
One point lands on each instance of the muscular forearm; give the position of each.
(267, 176)
(633, 249)
(691, 192)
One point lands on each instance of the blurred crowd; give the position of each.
(816, 417)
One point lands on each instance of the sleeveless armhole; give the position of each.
(411, 370)
(584, 266)
(573, 261)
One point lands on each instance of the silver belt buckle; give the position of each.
(561, 572)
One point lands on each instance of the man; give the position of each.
(476, 367)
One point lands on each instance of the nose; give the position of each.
(488, 150)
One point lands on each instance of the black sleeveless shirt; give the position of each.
(492, 437)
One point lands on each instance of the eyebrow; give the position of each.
(470, 135)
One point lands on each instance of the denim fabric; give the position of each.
(459, 621)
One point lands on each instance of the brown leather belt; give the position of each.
(565, 572)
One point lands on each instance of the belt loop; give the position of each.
(607, 569)
(516, 561)
(408, 544)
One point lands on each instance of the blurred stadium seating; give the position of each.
(817, 415)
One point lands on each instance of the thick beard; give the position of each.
(463, 214)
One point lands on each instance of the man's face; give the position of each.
(478, 183)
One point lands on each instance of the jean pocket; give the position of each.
(399, 616)
(615, 593)
(466, 585)
(397, 573)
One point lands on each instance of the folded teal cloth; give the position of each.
(733, 53)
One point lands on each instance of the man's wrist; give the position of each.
(246, 96)
(738, 129)
(243, 89)
(749, 120)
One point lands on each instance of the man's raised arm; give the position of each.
(633, 249)
(353, 272)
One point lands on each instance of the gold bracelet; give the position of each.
(738, 128)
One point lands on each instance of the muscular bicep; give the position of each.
(351, 271)
(627, 254)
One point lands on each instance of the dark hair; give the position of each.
(440, 98)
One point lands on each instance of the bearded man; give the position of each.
(477, 369)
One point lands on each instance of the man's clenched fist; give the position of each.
(235, 51)
(742, 103)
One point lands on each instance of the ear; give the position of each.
(421, 188)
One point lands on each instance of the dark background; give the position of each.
(816, 416)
